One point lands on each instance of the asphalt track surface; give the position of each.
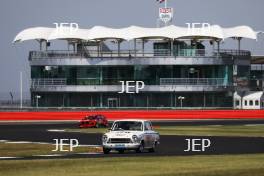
(170, 145)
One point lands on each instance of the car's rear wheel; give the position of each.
(140, 149)
(106, 150)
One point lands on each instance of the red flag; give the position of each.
(160, 1)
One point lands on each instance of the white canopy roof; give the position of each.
(250, 95)
(135, 32)
(34, 33)
(240, 31)
(253, 95)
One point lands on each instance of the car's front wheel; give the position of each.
(106, 150)
(120, 151)
(153, 149)
(140, 149)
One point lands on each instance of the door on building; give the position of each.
(112, 102)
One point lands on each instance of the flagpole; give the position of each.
(165, 8)
(21, 90)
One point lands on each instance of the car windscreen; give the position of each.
(127, 125)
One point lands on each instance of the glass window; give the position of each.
(245, 102)
(256, 103)
(237, 102)
(250, 102)
(126, 73)
(127, 125)
(88, 76)
(243, 74)
(253, 67)
(110, 75)
(148, 74)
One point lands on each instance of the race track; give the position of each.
(170, 144)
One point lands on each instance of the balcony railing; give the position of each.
(47, 82)
(43, 82)
(61, 54)
(194, 81)
(233, 52)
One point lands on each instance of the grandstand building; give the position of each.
(177, 67)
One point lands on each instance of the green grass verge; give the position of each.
(215, 165)
(205, 130)
(29, 149)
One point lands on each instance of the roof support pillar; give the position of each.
(212, 42)
(101, 47)
(143, 46)
(118, 47)
(218, 47)
(41, 44)
(46, 45)
(135, 47)
(74, 47)
(98, 48)
(171, 47)
(239, 43)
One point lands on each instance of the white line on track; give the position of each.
(18, 142)
(3, 140)
(89, 146)
(55, 130)
(8, 157)
(89, 153)
(24, 142)
(41, 143)
(254, 125)
(50, 155)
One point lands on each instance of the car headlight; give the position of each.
(104, 138)
(135, 138)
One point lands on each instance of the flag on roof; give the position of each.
(160, 1)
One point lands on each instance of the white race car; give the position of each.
(135, 135)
